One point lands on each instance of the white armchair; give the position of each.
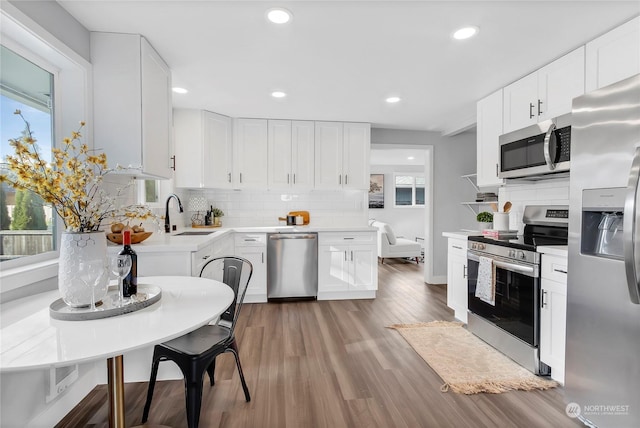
(391, 246)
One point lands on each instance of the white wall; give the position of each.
(262, 207)
(405, 221)
(546, 192)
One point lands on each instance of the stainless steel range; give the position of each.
(510, 319)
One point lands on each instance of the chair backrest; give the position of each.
(236, 273)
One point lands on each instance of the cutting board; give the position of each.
(304, 214)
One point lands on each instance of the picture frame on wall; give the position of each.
(376, 191)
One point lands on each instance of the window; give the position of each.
(409, 190)
(27, 225)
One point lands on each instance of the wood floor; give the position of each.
(334, 364)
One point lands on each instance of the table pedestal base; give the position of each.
(115, 385)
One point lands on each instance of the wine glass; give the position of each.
(92, 273)
(120, 266)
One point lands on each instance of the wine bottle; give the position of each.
(129, 282)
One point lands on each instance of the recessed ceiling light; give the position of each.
(392, 100)
(411, 157)
(465, 32)
(179, 90)
(278, 94)
(279, 16)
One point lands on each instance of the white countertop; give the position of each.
(556, 250)
(30, 338)
(461, 234)
(172, 242)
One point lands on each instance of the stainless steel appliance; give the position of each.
(537, 150)
(602, 377)
(512, 323)
(292, 265)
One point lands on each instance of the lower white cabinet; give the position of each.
(457, 277)
(553, 314)
(253, 247)
(347, 265)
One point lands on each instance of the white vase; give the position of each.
(484, 225)
(78, 250)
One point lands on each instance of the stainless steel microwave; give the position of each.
(537, 150)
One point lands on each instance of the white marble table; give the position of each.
(31, 339)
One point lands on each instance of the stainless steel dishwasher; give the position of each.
(292, 265)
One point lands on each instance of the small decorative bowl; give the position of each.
(136, 238)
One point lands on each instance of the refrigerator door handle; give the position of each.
(550, 138)
(631, 248)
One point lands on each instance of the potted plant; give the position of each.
(217, 214)
(485, 220)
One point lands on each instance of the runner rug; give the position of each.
(465, 363)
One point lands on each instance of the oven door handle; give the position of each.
(527, 270)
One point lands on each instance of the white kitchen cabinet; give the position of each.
(291, 154)
(347, 265)
(457, 296)
(342, 155)
(545, 94)
(489, 129)
(613, 56)
(250, 154)
(553, 314)
(131, 104)
(253, 247)
(203, 146)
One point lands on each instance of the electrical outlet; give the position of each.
(60, 378)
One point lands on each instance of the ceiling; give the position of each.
(339, 60)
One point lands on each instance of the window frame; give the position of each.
(72, 76)
(413, 189)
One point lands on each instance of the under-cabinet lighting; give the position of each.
(179, 90)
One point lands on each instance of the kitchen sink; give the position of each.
(192, 233)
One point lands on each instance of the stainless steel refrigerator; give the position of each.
(602, 378)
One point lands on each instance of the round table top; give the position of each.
(31, 339)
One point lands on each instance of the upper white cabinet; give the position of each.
(250, 154)
(131, 103)
(613, 56)
(203, 145)
(489, 129)
(291, 154)
(342, 155)
(545, 94)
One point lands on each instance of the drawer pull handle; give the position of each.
(560, 271)
(348, 238)
(249, 240)
(456, 247)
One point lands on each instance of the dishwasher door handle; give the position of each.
(292, 236)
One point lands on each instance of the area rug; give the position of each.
(465, 363)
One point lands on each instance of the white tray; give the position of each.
(147, 295)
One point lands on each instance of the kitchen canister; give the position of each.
(501, 221)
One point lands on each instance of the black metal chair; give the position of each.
(196, 352)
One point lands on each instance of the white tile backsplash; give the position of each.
(546, 192)
(262, 208)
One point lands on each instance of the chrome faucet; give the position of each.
(167, 222)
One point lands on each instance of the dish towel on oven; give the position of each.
(486, 286)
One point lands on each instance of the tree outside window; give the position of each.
(26, 222)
